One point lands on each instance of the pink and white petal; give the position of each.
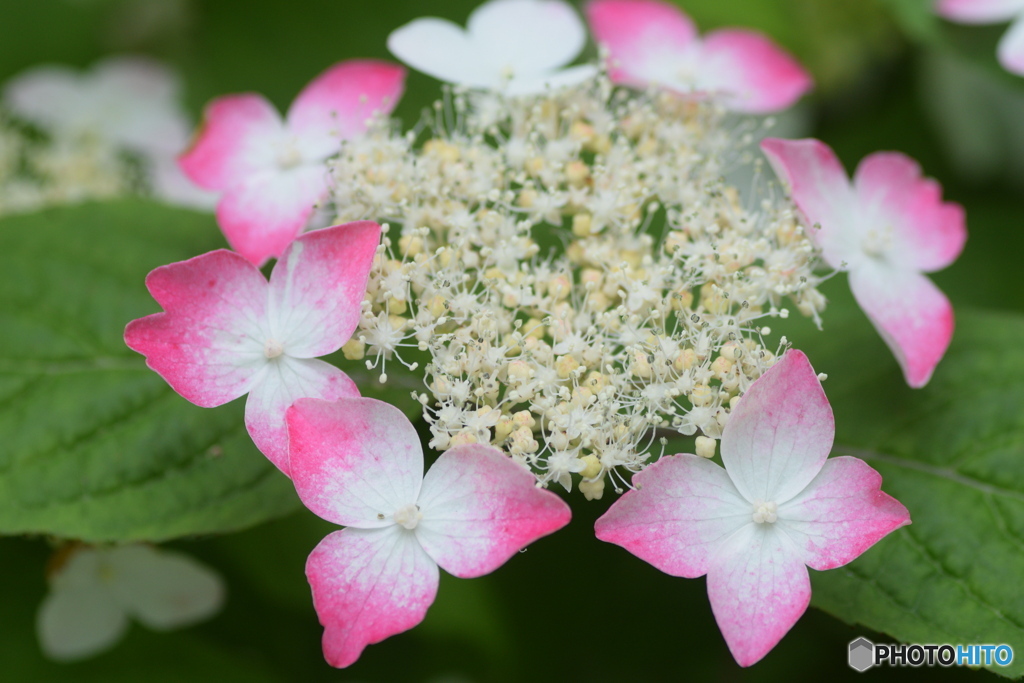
(281, 383)
(753, 73)
(1011, 47)
(979, 11)
(368, 585)
(914, 318)
(239, 137)
(208, 344)
(45, 95)
(646, 40)
(169, 184)
(759, 588)
(563, 78)
(441, 49)
(318, 286)
(780, 434)
(480, 508)
(338, 102)
(682, 510)
(79, 622)
(267, 211)
(529, 36)
(818, 185)
(354, 461)
(928, 233)
(840, 514)
(164, 589)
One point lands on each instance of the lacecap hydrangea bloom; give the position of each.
(573, 265)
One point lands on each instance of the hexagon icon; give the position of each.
(862, 654)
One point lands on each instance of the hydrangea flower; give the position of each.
(94, 592)
(358, 463)
(130, 103)
(779, 506)
(886, 230)
(271, 170)
(227, 332)
(1011, 46)
(519, 47)
(655, 43)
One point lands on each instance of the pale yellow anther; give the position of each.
(682, 299)
(596, 381)
(721, 367)
(354, 349)
(524, 418)
(675, 240)
(591, 466)
(519, 371)
(445, 151)
(410, 245)
(713, 300)
(733, 402)
(581, 224)
(581, 131)
(397, 306)
(463, 439)
(732, 351)
(577, 173)
(705, 447)
(640, 365)
(685, 360)
(565, 365)
(534, 328)
(494, 274)
(582, 397)
(522, 441)
(560, 286)
(592, 490)
(534, 165)
(701, 395)
(397, 322)
(503, 428)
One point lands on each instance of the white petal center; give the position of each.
(272, 349)
(765, 513)
(408, 516)
(876, 243)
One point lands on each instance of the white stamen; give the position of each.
(408, 515)
(765, 512)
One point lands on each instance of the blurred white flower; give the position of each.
(94, 591)
(518, 47)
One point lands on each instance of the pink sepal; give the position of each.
(480, 508)
(368, 585)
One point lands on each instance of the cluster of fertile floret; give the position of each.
(35, 172)
(577, 267)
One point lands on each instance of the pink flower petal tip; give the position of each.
(226, 331)
(358, 462)
(270, 170)
(655, 43)
(753, 527)
(1011, 47)
(886, 228)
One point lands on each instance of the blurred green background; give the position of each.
(889, 75)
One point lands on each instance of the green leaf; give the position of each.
(953, 453)
(96, 446)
